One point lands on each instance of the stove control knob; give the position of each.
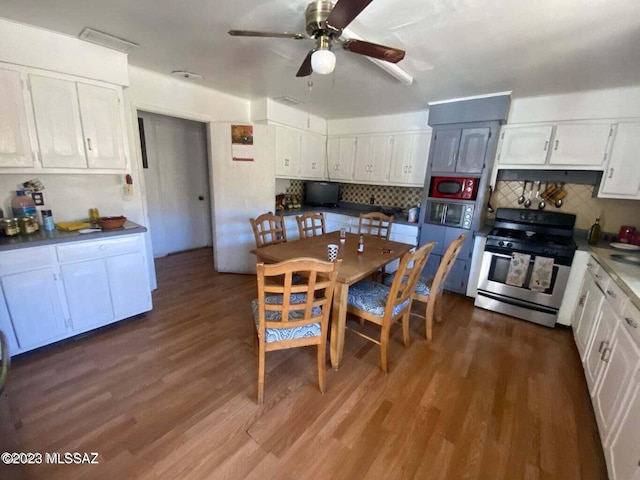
(501, 243)
(509, 244)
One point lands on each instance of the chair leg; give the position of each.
(261, 361)
(321, 361)
(384, 344)
(439, 307)
(405, 329)
(428, 319)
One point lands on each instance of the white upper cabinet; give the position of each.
(373, 157)
(100, 110)
(312, 156)
(620, 178)
(580, 144)
(287, 152)
(409, 158)
(341, 154)
(571, 145)
(525, 145)
(57, 114)
(78, 126)
(15, 149)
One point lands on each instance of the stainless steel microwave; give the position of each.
(450, 214)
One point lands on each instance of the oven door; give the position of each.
(493, 278)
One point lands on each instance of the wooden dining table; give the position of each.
(355, 266)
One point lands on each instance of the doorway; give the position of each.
(176, 174)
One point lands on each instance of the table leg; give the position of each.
(338, 323)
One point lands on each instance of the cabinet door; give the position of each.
(400, 157)
(418, 159)
(621, 359)
(602, 340)
(312, 156)
(35, 307)
(341, 153)
(129, 284)
(57, 114)
(380, 158)
(287, 152)
(623, 454)
(362, 165)
(445, 150)
(620, 179)
(15, 149)
(87, 288)
(6, 326)
(584, 144)
(472, 150)
(100, 110)
(590, 314)
(525, 145)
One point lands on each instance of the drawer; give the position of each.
(631, 321)
(24, 259)
(602, 278)
(616, 297)
(406, 230)
(593, 266)
(73, 252)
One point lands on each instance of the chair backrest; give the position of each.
(310, 224)
(407, 275)
(306, 301)
(448, 259)
(375, 223)
(268, 229)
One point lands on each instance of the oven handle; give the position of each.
(443, 217)
(517, 303)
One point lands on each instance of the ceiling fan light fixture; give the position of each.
(323, 61)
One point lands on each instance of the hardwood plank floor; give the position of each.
(171, 394)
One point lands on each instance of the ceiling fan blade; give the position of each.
(251, 33)
(305, 69)
(345, 11)
(381, 52)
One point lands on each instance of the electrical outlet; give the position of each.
(128, 190)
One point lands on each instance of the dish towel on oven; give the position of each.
(541, 274)
(518, 269)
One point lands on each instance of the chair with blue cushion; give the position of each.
(429, 290)
(384, 305)
(293, 314)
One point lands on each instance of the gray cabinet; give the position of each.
(443, 236)
(459, 150)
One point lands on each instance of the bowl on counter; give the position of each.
(109, 223)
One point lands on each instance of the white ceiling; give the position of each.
(455, 48)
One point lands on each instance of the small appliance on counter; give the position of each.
(627, 234)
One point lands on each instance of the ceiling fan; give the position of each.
(325, 22)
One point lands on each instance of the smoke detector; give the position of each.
(186, 74)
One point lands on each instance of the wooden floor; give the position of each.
(171, 394)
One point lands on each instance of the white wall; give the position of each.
(269, 111)
(34, 47)
(401, 122)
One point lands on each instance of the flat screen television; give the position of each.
(321, 194)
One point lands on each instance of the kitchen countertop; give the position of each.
(351, 210)
(626, 275)
(42, 237)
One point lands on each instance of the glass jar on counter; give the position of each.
(9, 226)
(28, 224)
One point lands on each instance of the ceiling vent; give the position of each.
(106, 40)
(287, 100)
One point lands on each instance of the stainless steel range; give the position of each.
(526, 264)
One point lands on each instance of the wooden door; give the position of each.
(177, 183)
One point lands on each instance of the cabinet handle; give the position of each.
(546, 145)
(410, 168)
(630, 322)
(556, 146)
(610, 173)
(598, 276)
(611, 294)
(605, 358)
(89, 143)
(602, 345)
(583, 298)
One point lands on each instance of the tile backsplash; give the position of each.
(383, 195)
(580, 201)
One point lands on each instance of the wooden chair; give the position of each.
(375, 223)
(290, 315)
(268, 229)
(429, 290)
(310, 224)
(384, 305)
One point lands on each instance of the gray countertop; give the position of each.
(626, 275)
(42, 237)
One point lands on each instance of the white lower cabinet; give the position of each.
(57, 291)
(586, 314)
(623, 453)
(336, 221)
